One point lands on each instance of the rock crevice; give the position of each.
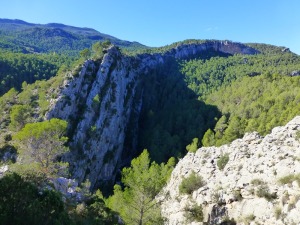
(102, 102)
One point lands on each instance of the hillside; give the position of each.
(20, 36)
(117, 97)
(253, 180)
(99, 113)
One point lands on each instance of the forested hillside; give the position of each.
(20, 36)
(30, 52)
(64, 115)
(254, 93)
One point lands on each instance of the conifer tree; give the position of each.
(137, 202)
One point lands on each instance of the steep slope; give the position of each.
(258, 185)
(103, 102)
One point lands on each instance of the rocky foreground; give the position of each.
(258, 185)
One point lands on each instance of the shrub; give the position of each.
(194, 213)
(263, 192)
(191, 183)
(23, 203)
(257, 182)
(96, 102)
(248, 219)
(237, 195)
(290, 179)
(277, 212)
(228, 221)
(298, 135)
(222, 161)
(193, 147)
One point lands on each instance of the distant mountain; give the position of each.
(20, 36)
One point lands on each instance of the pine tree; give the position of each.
(137, 203)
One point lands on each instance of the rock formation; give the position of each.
(258, 185)
(102, 102)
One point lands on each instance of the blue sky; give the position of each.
(158, 23)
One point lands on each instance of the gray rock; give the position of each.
(100, 101)
(254, 177)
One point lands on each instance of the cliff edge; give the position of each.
(253, 180)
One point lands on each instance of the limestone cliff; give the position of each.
(258, 185)
(102, 102)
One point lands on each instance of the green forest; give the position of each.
(209, 100)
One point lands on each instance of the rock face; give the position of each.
(102, 102)
(258, 185)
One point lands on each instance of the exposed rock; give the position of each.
(68, 188)
(295, 73)
(248, 188)
(103, 100)
(285, 49)
(3, 169)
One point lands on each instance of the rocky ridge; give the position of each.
(102, 102)
(258, 185)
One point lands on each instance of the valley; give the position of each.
(119, 98)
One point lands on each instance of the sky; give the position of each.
(156, 23)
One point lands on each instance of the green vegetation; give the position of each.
(253, 92)
(262, 190)
(17, 67)
(222, 161)
(93, 212)
(228, 221)
(247, 220)
(136, 203)
(171, 116)
(290, 179)
(278, 212)
(42, 143)
(257, 182)
(19, 116)
(19, 36)
(193, 147)
(298, 135)
(194, 213)
(21, 202)
(191, 183)
(210, 100)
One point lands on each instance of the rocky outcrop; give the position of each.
(102, 102)
(225, 47)
(258, 185)
(98, 102)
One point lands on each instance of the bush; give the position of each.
(257, 182)
(290, 179)
(278, 212)
(191, 183)
(193, 147)
(228, 221)
(298, 135)
(21, 202)
(194, 213)
(222, 161)
(249, 218)
(263, 192)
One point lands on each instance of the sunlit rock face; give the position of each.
(102, 101)
(258, 185)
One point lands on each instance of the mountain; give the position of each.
(253, 180)
(160, 100)
(169, 100)
(108, 105)
(20, 36)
